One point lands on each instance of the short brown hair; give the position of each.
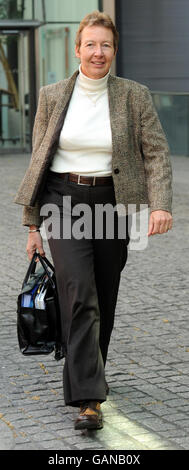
(97, 18)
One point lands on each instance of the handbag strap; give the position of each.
(32, 267)
(44, 260)
(31, 270)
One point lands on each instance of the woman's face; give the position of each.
(96, 51)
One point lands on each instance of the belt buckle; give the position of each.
(82, 184)
(78, 180)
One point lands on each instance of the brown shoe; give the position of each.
(90, 416)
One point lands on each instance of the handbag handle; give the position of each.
(31, 270)
(32, 267)
(44, 260)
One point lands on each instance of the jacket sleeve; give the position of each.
(31, 215)
(156, 155)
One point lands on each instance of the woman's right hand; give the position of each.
(34, 243)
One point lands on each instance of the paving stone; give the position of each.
(147, 366)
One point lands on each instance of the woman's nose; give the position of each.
(98, 51)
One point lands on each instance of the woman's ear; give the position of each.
(115, 51)
(77, 52)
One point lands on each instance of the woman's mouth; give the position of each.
(98, 64)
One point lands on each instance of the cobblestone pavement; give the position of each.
(148, 361)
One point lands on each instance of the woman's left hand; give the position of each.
(159, 222)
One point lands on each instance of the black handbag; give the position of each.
(38, 312)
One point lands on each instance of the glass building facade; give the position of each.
(154, 41)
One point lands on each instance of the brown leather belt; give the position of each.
(88, 180)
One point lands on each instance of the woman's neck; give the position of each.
(91, 84)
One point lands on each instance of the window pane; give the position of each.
(14, 92)
(47, 10)
(15, 9)
(57, 55)
(58, 10)
(173, 111)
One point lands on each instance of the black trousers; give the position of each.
(88, 276)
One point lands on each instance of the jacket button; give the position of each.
(116, 171)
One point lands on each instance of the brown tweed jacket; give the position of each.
(141, 166)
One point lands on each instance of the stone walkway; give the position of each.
(148, 361)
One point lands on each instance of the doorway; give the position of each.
(14, 91)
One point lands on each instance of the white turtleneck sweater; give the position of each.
(85, 143)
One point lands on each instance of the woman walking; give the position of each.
(96, 139)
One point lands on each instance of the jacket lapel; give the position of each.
(51, 139)
(62, 101)
(58, 115)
